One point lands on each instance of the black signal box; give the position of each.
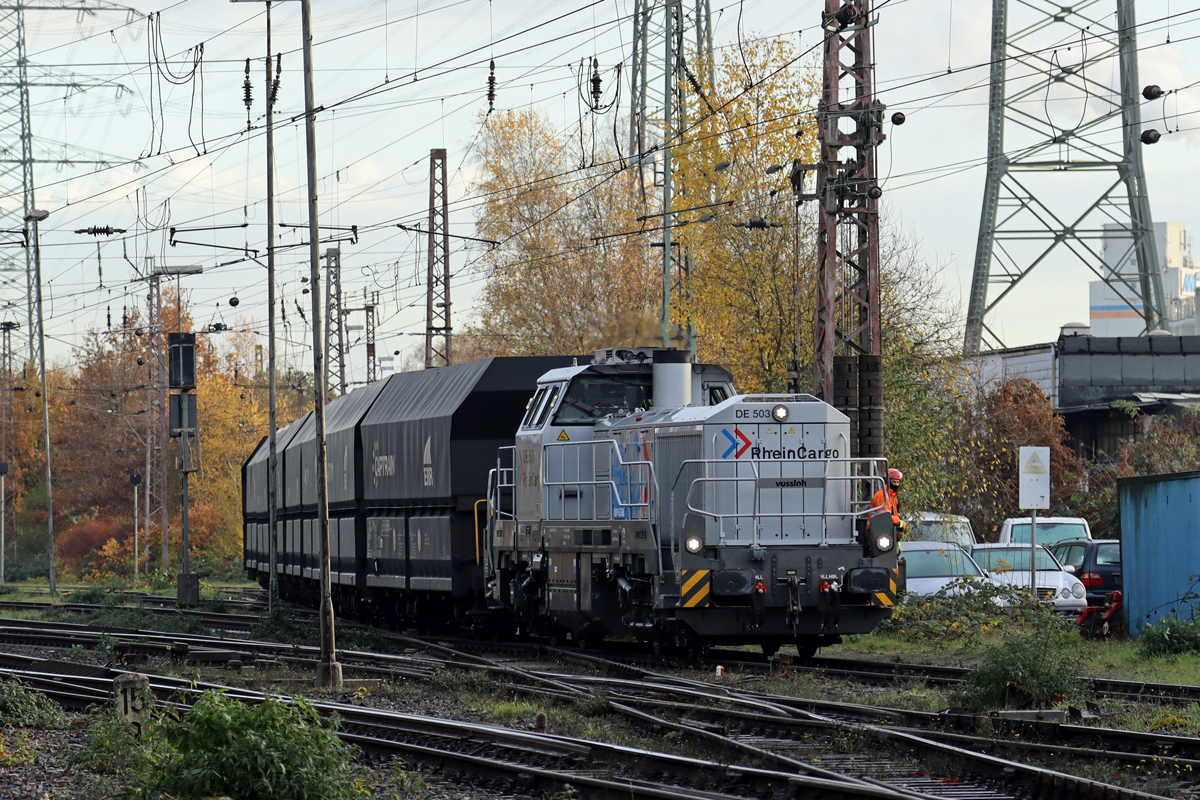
(181, 360)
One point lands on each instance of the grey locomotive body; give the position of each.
(633, 495)
(643, 497)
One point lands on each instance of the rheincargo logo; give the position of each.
(791, 454)
(737, 446)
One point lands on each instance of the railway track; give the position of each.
(877, 672)
(766, 728)
(504, 760)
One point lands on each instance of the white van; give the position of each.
(1050, 530)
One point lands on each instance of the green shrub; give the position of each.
(966, 608)
(1024, 666)
(226, 748)
(22, 708)
(95, 596)
(115, 750)
(1170, 636)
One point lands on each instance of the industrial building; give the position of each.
(1093, 381)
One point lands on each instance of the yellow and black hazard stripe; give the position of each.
(696, 586)
(887, 598)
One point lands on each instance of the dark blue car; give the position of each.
(1097, 564)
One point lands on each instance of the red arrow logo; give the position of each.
(745, 444)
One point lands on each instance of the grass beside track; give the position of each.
(1113, 658)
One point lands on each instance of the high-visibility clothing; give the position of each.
(890, 501)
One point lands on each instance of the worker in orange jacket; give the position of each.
(888, 499)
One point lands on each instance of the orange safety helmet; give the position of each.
(895, 475)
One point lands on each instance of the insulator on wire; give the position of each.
(596, 84)
(1153, 92)
(1150, 136)
(96, 230)
(275, 82)
(492, 86)
(247, 93)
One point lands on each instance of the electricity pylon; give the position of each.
(1054, 183)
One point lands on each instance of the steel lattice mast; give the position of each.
(155, 497)
(8, 441)
(437, 280)
(1037, 175)
(850, 122)
(335, 321)
(658, 110)
(17, 160)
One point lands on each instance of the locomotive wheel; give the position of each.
(693, 644)
(657, 643)
(770, 648)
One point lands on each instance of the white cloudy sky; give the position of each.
(373, 148)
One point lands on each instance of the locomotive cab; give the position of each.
(644, 497)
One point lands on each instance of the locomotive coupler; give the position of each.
(793, 607)
(758, 602)
(830, 605)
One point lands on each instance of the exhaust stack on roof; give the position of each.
(672, 378)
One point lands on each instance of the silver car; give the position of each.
(931, 526)
(932, 566)
(1008, 565)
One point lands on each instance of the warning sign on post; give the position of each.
(1034, 477)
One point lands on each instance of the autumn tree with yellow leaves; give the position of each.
(748, 291)
(558, 281)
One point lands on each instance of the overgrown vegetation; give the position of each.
(1170, 636)
(964, 609)
(21, 708)
(226, 748)
(1027, 667)
(133, 618)
(280, 626)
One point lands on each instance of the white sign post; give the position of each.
(1033, 471)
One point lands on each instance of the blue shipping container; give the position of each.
(1160, 545)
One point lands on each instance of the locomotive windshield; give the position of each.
(591, 397)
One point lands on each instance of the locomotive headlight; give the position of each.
(693, 544)
(883, 543)
(780, 413)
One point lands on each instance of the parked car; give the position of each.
(930, 526)
(1097, 564)
(1008, 564)
(932, 566)
(1050, 530)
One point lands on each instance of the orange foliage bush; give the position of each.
(78, 541)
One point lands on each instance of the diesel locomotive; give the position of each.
(630, 494)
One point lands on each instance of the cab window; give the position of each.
(593, 397)
(534, 404)
(550, 401)
(717, 395)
